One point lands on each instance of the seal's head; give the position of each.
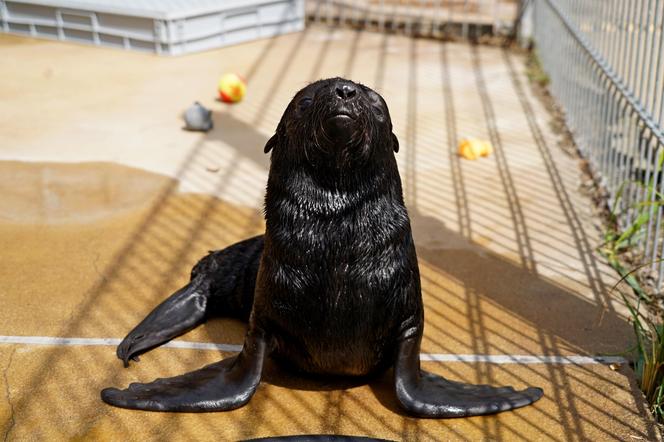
(335, 124)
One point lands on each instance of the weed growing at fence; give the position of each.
(648, 328)
(649, 353)
(617, 241)
(534, 70)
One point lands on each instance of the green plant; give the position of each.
(649, 357)
(649, 348)
(534, 70)
(648, 330)
(658, 403)
(618, 241)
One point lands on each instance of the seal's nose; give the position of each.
(345, 91)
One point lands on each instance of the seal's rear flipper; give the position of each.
(181, 312)
(429, 395)
(222, 284)
(221, 386)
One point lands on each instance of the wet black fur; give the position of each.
(338, 275)
(338, 271)
(331, 288)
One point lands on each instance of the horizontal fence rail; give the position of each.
(438, 18)
(605, 60)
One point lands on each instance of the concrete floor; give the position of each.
(105, 204)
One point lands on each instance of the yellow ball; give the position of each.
(231, 88)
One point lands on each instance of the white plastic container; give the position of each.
(170, 27)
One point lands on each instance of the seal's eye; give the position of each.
(304, 103)
(376, 105)
(378, 111)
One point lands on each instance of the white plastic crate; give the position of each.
(170, 27)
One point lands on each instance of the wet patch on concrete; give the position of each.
(89, 249)
(56, 194)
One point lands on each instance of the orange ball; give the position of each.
(232, 88)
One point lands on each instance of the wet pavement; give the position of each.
(105, 204)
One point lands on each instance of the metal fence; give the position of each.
(605, 62)
(438, 18)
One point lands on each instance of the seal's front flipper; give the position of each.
(181, 312)
(221, 386)
(429, 395)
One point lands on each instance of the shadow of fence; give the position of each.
(499, 295)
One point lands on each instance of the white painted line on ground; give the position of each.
(524, 359)
(435, 357)
(47, 340)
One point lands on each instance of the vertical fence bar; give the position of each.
(658, 225)
(643, 93)
(608, 104)
(659, 91)
(636, 132)
(655, 60)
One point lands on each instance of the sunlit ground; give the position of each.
(105, 205)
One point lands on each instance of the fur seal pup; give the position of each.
(331, 288)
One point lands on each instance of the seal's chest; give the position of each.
(343, 332)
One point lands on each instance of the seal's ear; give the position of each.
(270, 143)
(395, 143)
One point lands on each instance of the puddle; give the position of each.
(53, 193)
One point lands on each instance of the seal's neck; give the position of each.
(307, 191)
(309, 219)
